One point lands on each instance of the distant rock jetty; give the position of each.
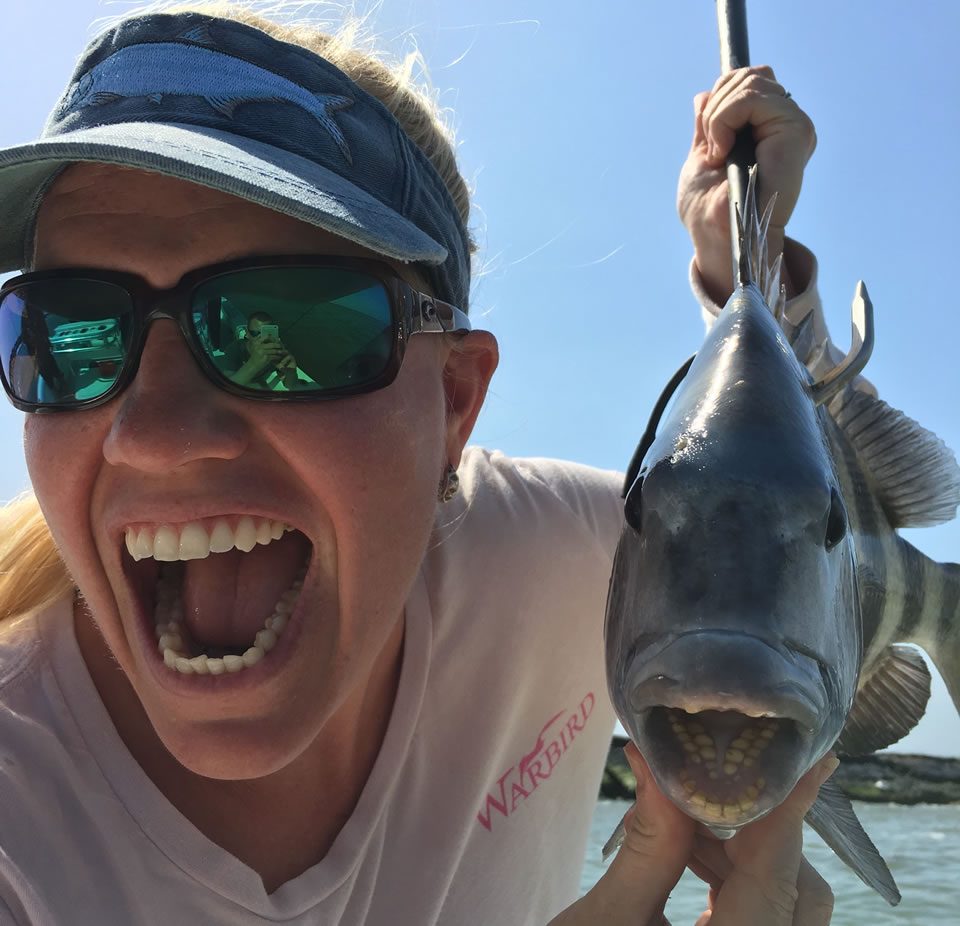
(884, 777)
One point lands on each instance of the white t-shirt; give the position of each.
(478, 807)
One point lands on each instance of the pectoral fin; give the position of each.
(616, 838)
(834, 820)
(889, 703)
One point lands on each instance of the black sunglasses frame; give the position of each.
(412, 313)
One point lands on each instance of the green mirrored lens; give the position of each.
(63, 341)
(295, 328)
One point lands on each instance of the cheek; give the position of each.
(373, 464)
(61, 455)
(383, 449)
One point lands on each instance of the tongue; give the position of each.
(228, 596)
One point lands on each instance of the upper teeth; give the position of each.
(192, 541)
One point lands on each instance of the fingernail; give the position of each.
(827, 767)
(630, 751)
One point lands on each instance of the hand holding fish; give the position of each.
(757, 877)
(785, 140)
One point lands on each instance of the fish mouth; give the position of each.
(727, 722)
(724, 768)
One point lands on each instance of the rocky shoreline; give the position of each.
(884, 777)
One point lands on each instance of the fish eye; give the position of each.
(836, 520)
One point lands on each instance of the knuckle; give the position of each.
(782, 895)
(819, 896)
(820, 911)
(808, 133)
(824, 901)
(758, 84)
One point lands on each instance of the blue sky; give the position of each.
(572, 131)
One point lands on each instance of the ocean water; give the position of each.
(921, 844)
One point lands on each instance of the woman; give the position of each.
(311, 660)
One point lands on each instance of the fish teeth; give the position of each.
(198, 539)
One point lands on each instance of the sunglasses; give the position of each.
(72, 339)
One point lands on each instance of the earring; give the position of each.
(449, 484)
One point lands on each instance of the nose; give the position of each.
(171, 414)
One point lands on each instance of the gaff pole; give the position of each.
(735, 53)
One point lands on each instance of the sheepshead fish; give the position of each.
(759, 589)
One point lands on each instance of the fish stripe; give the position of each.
(863, 513)
(950, 602)
(915, 585)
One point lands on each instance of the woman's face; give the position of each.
(356, 478)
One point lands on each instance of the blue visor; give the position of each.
(226, 106)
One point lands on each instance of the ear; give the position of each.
(470, 364)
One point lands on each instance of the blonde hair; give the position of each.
(32, 574)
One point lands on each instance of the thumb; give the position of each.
(657, 845)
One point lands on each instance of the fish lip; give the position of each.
(729, 671)
(789, 703)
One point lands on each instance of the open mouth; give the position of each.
(219, 593)
(718, 765)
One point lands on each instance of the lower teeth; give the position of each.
(169, 630)
(700, 748)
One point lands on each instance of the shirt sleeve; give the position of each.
(820, 353)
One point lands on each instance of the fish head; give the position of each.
(733, 632)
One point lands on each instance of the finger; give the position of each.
(699, 102)
(763, 885)
(768, 115)
(710, 861)
(814, 898)
(739, 74)
(753, 100)
(754, 104)
(710, 876)
(731, 83)
(656, 846)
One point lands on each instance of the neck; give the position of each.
(283, 823)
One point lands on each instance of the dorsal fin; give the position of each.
(754, 266)
(914, 475)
